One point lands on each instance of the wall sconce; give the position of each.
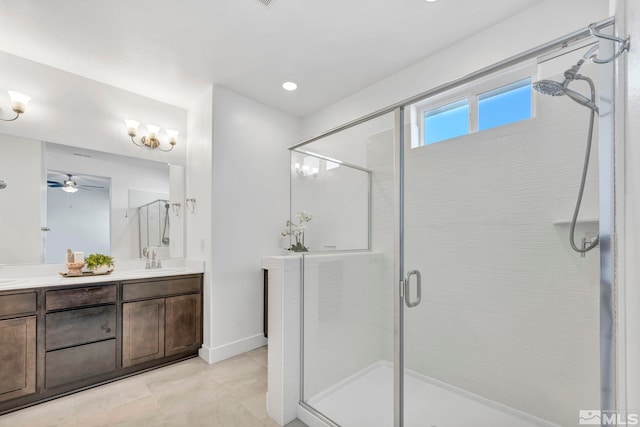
(191, 205)
(151, 139)
(19, 103)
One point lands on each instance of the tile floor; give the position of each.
(191, 393)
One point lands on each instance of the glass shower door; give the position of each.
(500, 315)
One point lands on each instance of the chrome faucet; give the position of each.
(152, 263)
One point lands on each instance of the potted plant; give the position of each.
(296, 228)
(99, 263)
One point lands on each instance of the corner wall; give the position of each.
(238, 172)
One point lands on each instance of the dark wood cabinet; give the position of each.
(78, 363)
(142, 331)
(81, 326)
(80, 334)
(59, 339)
(168, 324)
(18, 356)
(183, 324)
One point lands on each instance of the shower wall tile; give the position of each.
(509, 311)
(343, 300)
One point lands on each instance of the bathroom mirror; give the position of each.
(78, 215)
(29, 168)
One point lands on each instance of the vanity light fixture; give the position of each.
(151, 140)
(19, 103)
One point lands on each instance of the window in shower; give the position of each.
(504, 105)
(446, 122)
(492, 102)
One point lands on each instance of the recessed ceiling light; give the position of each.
(289, 86)
(431, 1)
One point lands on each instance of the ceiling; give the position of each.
(173, 50)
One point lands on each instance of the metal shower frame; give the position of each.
(606, 225)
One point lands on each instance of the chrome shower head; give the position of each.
(549, 87)
(553, 88)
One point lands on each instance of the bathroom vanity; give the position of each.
(60, 338)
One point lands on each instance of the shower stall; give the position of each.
(154, 228)
(441, 287)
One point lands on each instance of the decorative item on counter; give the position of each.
(296, 228)
(99, 263)
(75, 262)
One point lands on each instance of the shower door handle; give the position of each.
(407, 287)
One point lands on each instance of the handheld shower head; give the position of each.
(553, 88)
(549, 87)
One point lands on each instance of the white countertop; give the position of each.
(16, 277)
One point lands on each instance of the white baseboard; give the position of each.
(216, 354)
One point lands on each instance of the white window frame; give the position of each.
(471, 92)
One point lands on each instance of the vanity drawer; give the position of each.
(78, 297)
(17, 304)
(77, 363)
(160, 288)
(81, 326)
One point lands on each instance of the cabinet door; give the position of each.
(18, 356)
(142, 331)
(183, 326)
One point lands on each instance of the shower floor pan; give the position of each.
(365, 399)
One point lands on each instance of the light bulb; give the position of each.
(152, 131)
(69, 189)
(19, 101)
(173, 136)
(132, 127)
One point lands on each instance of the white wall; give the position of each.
(72, 110)
(238, 172)
(250, 197)
(535, 26)
(20, 235)
(198, 179)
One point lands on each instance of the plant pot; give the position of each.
(101, 269)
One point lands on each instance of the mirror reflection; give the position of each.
(60, 197)
(78, 215)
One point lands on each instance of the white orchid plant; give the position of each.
(296, 228)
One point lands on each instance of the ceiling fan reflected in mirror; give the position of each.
(69, 185)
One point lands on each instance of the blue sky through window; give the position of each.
(446, 122)
(497, 107)
(505, 105)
